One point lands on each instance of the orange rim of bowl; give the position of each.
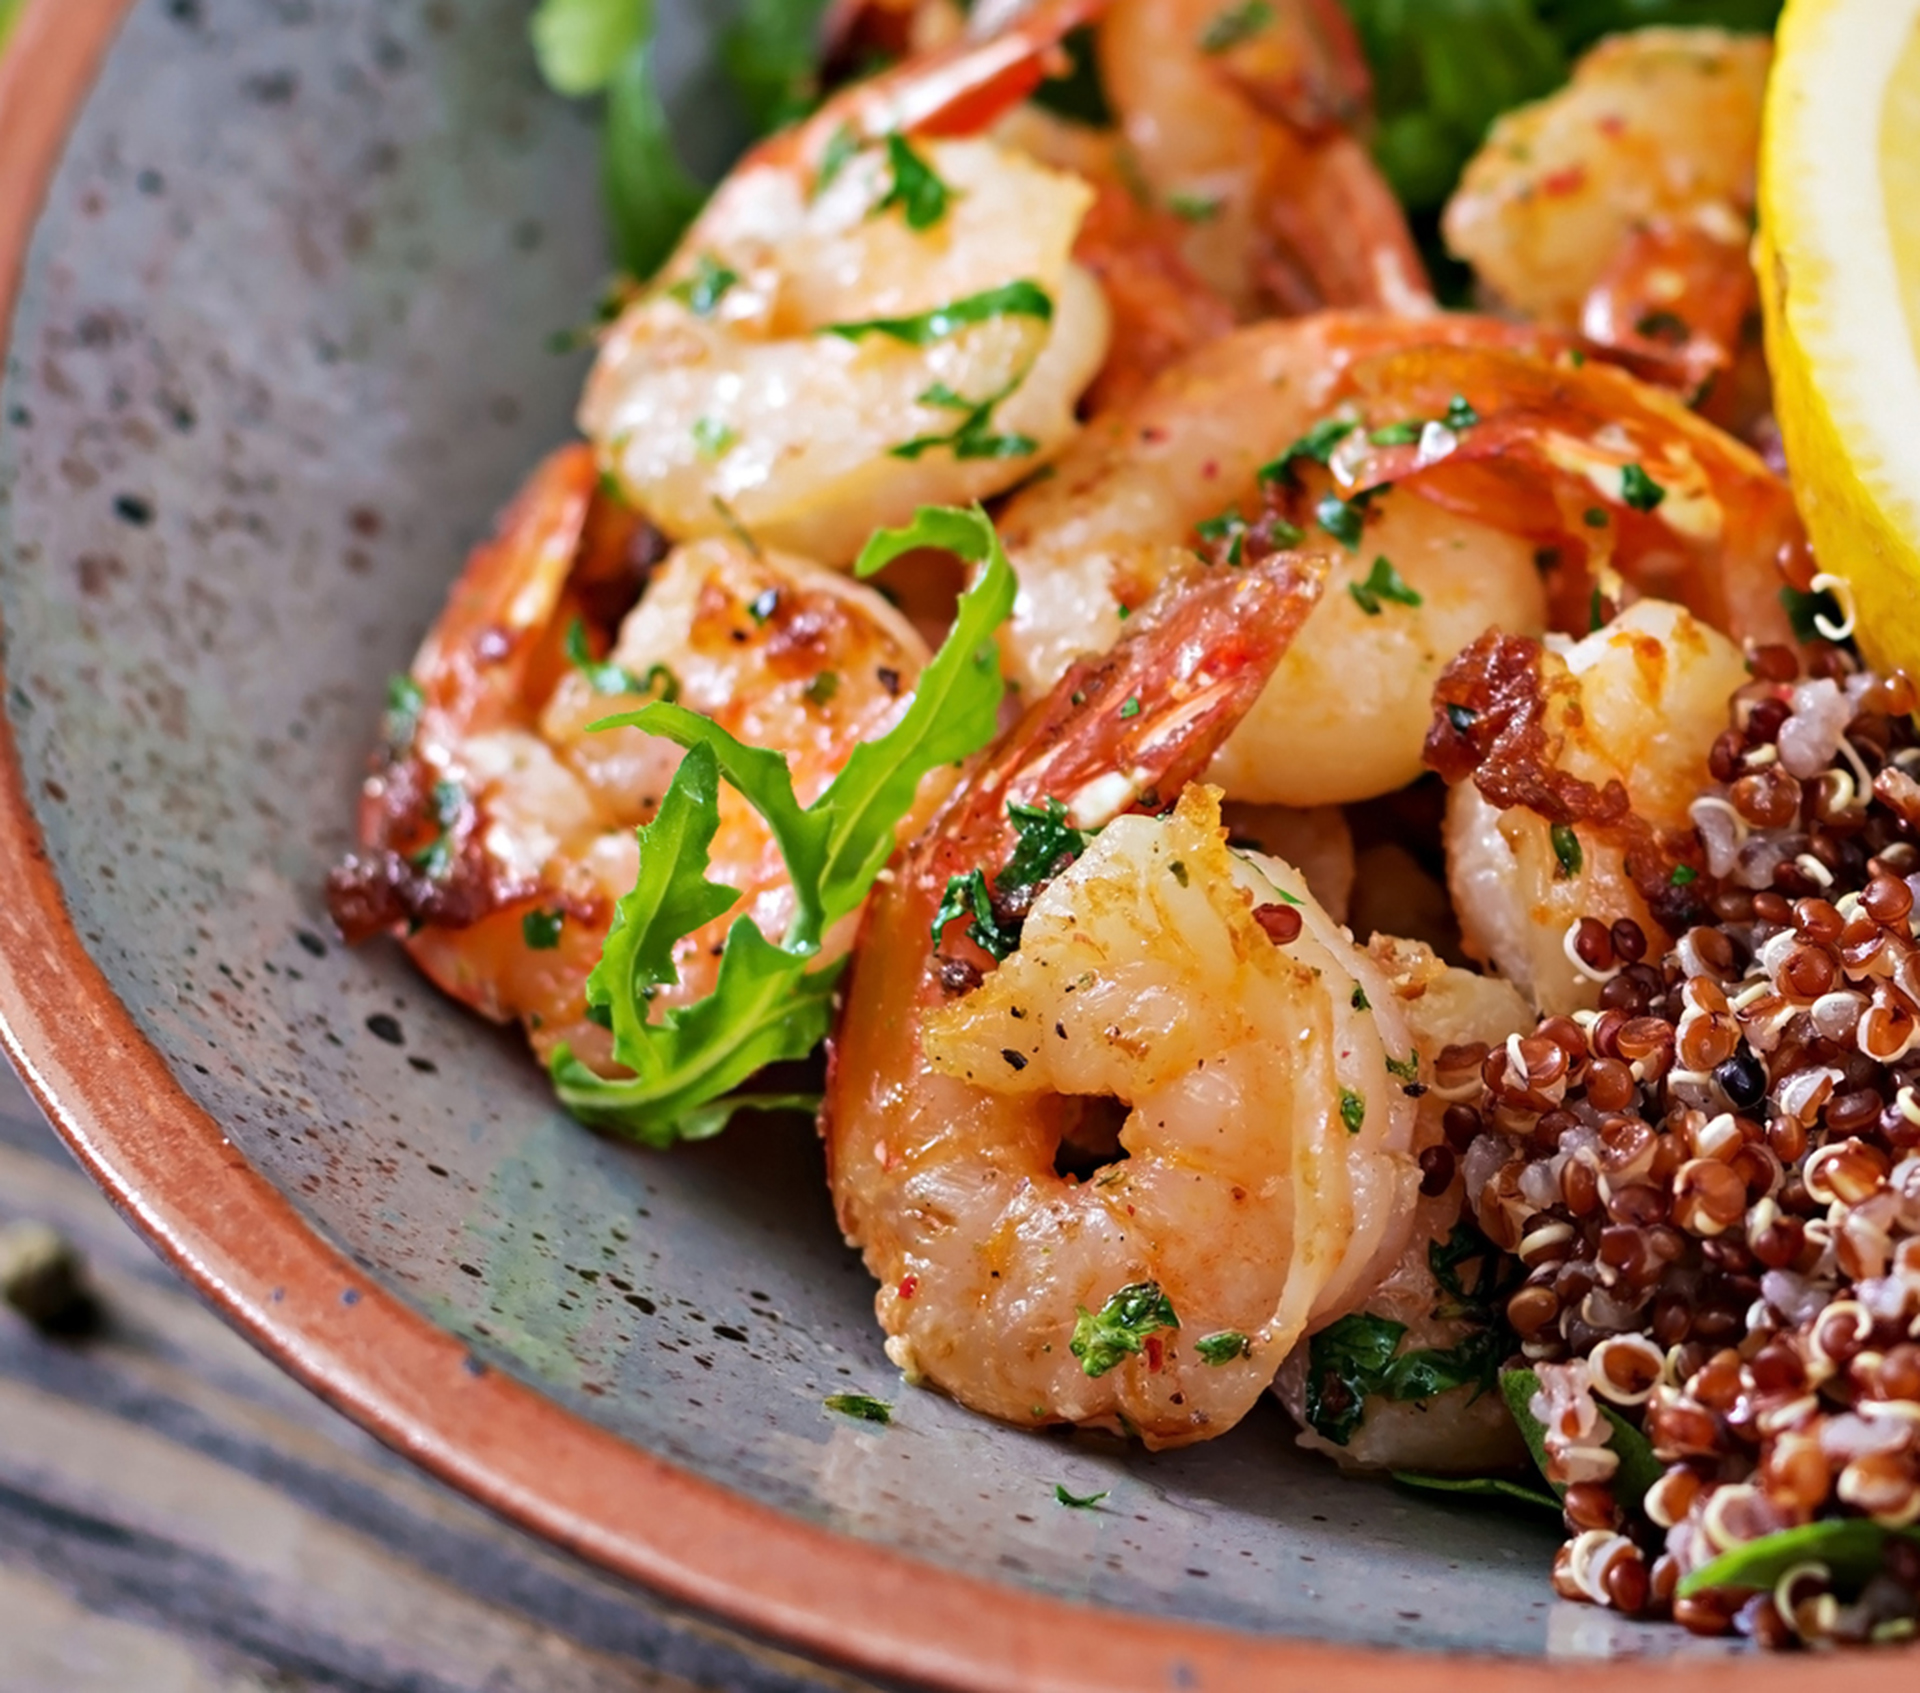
(172, 1172)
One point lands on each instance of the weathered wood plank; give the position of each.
(176, 1516)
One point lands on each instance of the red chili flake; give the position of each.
(1568, 181)
(1281, 922)
(1156, 1354)
(909, 1286)
(1613, 124)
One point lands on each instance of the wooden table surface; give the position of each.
(176, 1516)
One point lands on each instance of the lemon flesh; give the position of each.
(1839, 261)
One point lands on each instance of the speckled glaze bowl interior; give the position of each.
(280, 349)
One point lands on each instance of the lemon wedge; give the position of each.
(1839, 263)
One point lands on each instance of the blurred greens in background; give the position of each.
(1443, 71)
(9, 10)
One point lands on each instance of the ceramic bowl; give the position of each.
(280, 279)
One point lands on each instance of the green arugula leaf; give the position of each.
(1852, 1548)
(1639, 1468)
(917, 189)
(1119, 1329)
(768, 1003)
(1480, 1486)
(1014, 299)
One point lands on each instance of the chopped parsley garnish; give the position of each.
(605, 677)
(1460, 414)
(1639, 489)
(1195, 208)
(859, 1405)
(769, 1001)
(1229, 527)
(1359, 1358)
(541, 929)
(973, 437)
(1130, 706)
(764, 604)
(1014, 299)
(405, 702)
(1075, 1500)
(1684, 875)
(702, 292)
(1353, 1110)
(1382, 583)
(1567, 851)
(1316, 445)
(1119, 1329)
(1404, 1069)
(1342, 519)
(1360, 1000)
(1595, 517)
(823, 687)
(1223, 1348)
(1178, 871)
(917, 189)
(436, 858)
(967, 896)
(1046, 837)
(1226, 30)
(841, 147)
(1596, 613)
(1395, 434)
(713, 439)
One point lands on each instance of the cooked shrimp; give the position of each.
(1243, 118)
(859, 324)
(1623, 205)
(1160, 306)
(1264, 1166)
(1345, 715)
(498, 833)
(1574, 768)
(1464, 1429)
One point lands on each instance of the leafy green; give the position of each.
(1101, 1339)
(860, 1406)
(541, 929)
(1567, 851)
(1445, 69)
(1481, 1486)
(1342, 519)
(1079, 94)
(768, 1003)
(711, 282)
(972, 438)
(1046, 837)
(582, 44)
(605, 677)
(917, 189)
(1383, 583)
(405, 702)
(1223, 1348)
(1079, 1502)
(1639, 1468)
(1804, 611)
(1013, 299)
(967, 896)
(1235, 24)
(1852, 1549)
(650, 195)
(1359, 1357)
(1639, 489)
(1316, 446)
(713, 439)
(1353, 1110)
(771, 53)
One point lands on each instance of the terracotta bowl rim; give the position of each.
(172, 1172)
